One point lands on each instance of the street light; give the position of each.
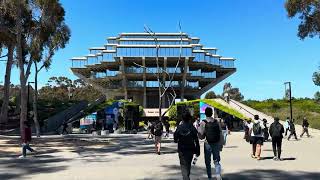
(287, 86)
(28, 99)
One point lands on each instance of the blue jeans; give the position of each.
(225, 134)
(213, 149)
(24, 149)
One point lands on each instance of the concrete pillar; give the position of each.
(144, 82)
(184, 77)
(124, 79)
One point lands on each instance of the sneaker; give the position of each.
(253, 156)
(275, 158)
(218, 177)
(258, 158)
(22, 156)
(159, 153)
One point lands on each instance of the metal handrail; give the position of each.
(241, 107)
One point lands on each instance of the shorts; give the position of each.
(157, 139)
(256, 140)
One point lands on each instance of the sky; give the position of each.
(257, 33)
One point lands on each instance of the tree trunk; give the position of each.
(35, 101)
(23, 81)
(6, 94)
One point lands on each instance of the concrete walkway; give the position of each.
(133, 157)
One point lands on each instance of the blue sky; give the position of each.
(257, 33)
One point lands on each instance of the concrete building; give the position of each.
(126, 68)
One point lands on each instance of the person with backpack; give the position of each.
(255, 130)
(292, 130)
(186, 136)
(26, 139)
(265, 131)
(276, 132)
(305, 126)
(210, 130)
(158, 130)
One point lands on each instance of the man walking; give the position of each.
(26, 139)
(276, 132)
(292, 130)
(286, 125)
(210, 130)
(256, 131)
(305, 126)
(188, 144)
(158, 130)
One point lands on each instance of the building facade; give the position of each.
(126, 67)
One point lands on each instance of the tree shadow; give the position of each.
(199, 173)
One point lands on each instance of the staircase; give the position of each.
(248, 111)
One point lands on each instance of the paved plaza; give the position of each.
(133, 157)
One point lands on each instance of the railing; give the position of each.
(240, 107)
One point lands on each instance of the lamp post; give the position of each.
(28, 100)
(288, 95)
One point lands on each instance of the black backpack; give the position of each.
(256, 128)
(158, 129)
(186, 138)
(212, 132)
(277, 130)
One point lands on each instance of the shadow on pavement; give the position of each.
(173, 172)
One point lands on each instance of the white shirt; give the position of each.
(261, 125)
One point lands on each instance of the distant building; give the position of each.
(114, 68)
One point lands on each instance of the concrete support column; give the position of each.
(184, 77)
(144, 82)
(124, 79)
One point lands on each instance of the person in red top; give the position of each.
(26, 139)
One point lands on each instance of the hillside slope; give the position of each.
(280, 108)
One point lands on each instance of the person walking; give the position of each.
(224, 129)
(255, 130)
(305, 126)
(188, 144)
(158, 130)
(265, 130)
(292, 130)
(26, 139)
(276, 132)
(286, 126)
(149, 128)
(167, 127)
(210, 130)
(246, 130)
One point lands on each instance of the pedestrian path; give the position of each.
(133, 157)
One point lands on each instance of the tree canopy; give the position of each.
(210, 95)
(308, 12)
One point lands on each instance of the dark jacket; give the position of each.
(305, 123)
(26, 138)
(273, 127)
(184, 130)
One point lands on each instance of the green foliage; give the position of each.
(210, 95)
(317, 96)
(308, 12)
(233, 93)
(173, 124)
(316, 78)
(301, 108)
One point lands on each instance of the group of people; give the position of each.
(187, 136)
(257, 133)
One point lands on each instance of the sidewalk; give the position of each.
(133, 157)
